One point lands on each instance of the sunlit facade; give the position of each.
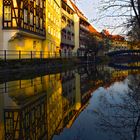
(118, 43)
(114, 42)
(52, 41)
(33, 25)
(22, 24)
(54, 26)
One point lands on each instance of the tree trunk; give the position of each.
(137, 14)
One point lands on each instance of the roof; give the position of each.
(113, 37)
(79, 13)
(93, 30)
(82, 16)
(68, 2)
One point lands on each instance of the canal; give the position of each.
(84, 103)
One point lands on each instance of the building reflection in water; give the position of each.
(41, 107)
(32, 108)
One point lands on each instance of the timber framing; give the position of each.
(25, 15)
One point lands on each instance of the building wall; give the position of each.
(9, 39)
(76, 30)
(31, 41)
(117, 45)
(67, 31)
(5, 35)
(53, 27)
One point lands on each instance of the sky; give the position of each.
(90, 8)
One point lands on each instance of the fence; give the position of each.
(18, 55)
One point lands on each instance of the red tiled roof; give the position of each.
(117, 37)
(79, 13)
(93, 30)
(113, 37)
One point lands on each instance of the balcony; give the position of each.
(84, 27)
(67, 14)
(66, 41)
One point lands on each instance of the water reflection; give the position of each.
(44, 106)
(120, 114)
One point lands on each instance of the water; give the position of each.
(85, 103)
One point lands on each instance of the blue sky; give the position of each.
(91, 10)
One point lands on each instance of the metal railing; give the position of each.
(19, 55)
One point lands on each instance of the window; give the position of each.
(25, 15)
(41, 22)
(64, 6)
(68, 10)
(69, 23)
(37, 21)
(7, 13)
(31, 18)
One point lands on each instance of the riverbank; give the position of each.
(14, 65)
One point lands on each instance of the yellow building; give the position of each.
(52, 26)
(51, 44)
(33, 25)
(114, 42)
(22, 25)
(118, 43)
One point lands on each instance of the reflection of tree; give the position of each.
(122, 115)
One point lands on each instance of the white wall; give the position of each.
(7, 35)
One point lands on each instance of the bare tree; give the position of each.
(121, 8)
(122, 115)
(134, 32)
(91, 43)
(125, 11)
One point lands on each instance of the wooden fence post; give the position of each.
(19, 55)
(5, 55)
(31, 55)
(40, 54)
